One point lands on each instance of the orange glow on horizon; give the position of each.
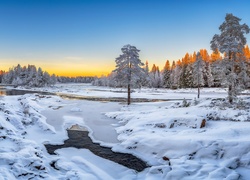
(78, 73)
(64, 69)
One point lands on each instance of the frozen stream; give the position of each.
(90, 112)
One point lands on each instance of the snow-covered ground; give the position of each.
(166, 135)
(96, 91)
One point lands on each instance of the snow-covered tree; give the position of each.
(28, 76)
(155, 77)
(209, 77)
(39, 78)
(32, 72)
(53, 79)
(46, 78)
(218, 73)
(166, 81)
(186, 72)
(175, 75)
(129, 66)
(145, 77)
(231, 42)
(188, 76)
(198, 68)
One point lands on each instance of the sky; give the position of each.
(83, 37)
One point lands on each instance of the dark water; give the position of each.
(80, 139)
(16, 92)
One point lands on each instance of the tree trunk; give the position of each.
(230, 87)
(230, 95)
(198, 91)
(129, 94)
(199, 79)
(129, 82)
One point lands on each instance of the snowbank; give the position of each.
(167, 135)
(171, 139)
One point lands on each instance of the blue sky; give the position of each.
(83, 37)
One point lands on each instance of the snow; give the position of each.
(165, 134)
(87, 90)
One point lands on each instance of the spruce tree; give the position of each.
(166, 75)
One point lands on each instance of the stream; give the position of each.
(101, 129)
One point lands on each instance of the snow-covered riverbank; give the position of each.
(97, 91)
(167, 135)
(24, 130)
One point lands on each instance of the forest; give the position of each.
(183, 72)
(30, 76)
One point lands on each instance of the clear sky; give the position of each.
(83, 37)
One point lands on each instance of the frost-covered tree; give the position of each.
(155, 77)
(53, 79)
(209, 77)
(188, 76)
(28, 76)
(32, 72)
(39, 78)
(175, 75)
(129, 66)
(186, 72)
(145, 80)
(230, 42)
(46, 79)
(198, 68)
(166, 81)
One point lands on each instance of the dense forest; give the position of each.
(183, 73)
(31, 76)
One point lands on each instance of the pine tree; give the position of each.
(247, 52)
(209, 77)
(194, 57)
(198, 67)
(175, 75)
(145, 80)
(128, 66)
(204, 55)
(166, 75)
(155, 76)
(231, 42)
(39, 78)
(215, 56)
(53, 79)
(32, 73)
(186, 72)
(189, 76)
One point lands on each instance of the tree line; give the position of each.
(184, 73)
(228, 65)
(30, 76)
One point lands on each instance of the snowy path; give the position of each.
(91, 113)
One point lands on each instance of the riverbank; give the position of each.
(168, 136)
(24, 131)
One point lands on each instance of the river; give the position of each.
(91, 112)
(100, 129)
